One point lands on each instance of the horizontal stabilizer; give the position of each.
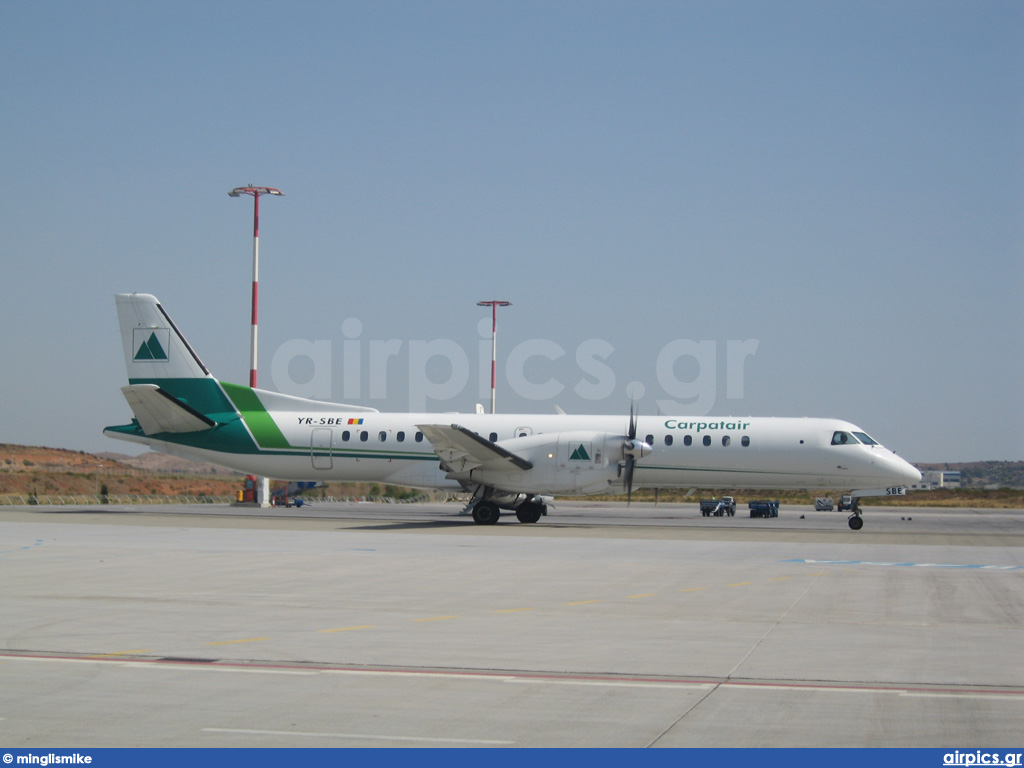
(157, 411)
(463, 450)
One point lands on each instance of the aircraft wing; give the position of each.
(158, 411)
(462, 450)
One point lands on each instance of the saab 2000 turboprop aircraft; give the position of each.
(507, 461)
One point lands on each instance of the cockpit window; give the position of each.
(843, 438)
(865, 438)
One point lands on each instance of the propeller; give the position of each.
(632, 450)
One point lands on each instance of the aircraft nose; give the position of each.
(911, 474)
(905, 472)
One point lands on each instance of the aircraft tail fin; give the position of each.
(169, 389)
(154, 348)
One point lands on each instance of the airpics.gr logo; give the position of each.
(151, 345)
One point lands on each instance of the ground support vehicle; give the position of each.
(764, 508)
(718, 507)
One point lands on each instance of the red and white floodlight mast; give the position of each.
(255, 192)
(263, 483)
(494, 339)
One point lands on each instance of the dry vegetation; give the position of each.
(26, 470)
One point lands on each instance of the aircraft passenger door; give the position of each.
(320, 448)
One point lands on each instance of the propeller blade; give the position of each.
(628, 478)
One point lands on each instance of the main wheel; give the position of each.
(486, 513)
(856, 522)
(529, 512)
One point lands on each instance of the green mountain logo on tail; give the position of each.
(151, 350)
(580, 454)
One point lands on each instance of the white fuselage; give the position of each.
(686, 452)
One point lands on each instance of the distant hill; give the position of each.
(983, 474)
(31, 469)
(161, 463)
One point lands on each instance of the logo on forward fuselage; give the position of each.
(580, 454)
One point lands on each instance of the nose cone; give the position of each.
(911, 474)
(900, 471)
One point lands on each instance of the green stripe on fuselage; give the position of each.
(206, 396)
(260, 423)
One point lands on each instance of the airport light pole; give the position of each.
(263, 483)
(255, 192)
(494, 339)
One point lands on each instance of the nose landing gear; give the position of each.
(856, 521)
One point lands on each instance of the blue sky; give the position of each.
(837, 186)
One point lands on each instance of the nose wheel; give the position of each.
(856, 521)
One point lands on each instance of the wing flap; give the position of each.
(157, 411)
(463, 450)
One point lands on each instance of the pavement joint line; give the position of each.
(309, 668)
(963, 695)
(226, 668)
(136, 652)
(610, 683)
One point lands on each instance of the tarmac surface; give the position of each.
(601, 626)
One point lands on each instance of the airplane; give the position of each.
(506, 461)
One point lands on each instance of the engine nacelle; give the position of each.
(567, 463)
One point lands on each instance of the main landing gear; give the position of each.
(487, 512)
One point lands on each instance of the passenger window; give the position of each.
(419, 437)
(745, 441)
(382, 436)
(400, 437)
(726, 440)
(668, 439)
(650, 440)
(707, 439)
(688, 440)
(345, 436)
(364, 436)
(843, 438)
(494, 437)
